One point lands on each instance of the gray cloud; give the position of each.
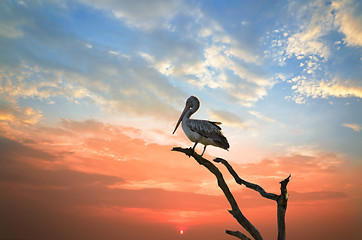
(142, 14)
(11, 150)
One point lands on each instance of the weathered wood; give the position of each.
(242, 220)
(281, 199)
(282, 208)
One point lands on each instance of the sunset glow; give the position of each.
(90, 92)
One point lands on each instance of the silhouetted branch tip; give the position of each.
(286, 181)
(218, 160)
(237, 234)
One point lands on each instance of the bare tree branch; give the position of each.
(281, 199)
(237, 234)
(240, 181)
(243, 221)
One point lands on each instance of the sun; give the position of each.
(181, 232)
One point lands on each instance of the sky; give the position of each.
(90, 92)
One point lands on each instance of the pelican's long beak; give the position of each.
(187, 107)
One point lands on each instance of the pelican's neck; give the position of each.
(191, 111)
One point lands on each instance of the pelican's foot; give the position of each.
(192, 151)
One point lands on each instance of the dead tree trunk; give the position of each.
(281, 199)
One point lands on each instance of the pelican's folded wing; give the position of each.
(208, 129)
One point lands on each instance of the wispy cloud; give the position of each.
(141, 14)
(9, 30)
(227, 118)
(354, 126)
(261, 116)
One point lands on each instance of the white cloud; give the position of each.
(300, 48)
(349, 20)
(304, 40)
(245, 85)
(324, 89)
(353, 126)
(47, 85)
(311, 23)
(314, 22)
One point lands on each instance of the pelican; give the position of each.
(200, 131)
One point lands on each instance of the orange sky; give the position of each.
(94, 180)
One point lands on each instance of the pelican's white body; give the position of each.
(194, 136)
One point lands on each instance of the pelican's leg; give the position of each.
(203, 151)
(193, 148)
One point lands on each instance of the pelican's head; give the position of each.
(192, 103)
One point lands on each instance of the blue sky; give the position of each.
(279, 74)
